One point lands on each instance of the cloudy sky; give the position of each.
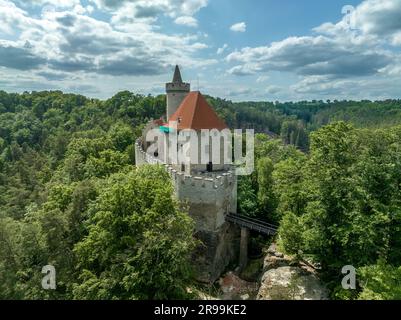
(240, 50)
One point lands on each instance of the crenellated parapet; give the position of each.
(142, 157)
(202, 180)
(217, 191)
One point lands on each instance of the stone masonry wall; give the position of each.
(209, 198)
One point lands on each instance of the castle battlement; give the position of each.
(202, 180)
(186, 87)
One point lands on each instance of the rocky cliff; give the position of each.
(286, 279)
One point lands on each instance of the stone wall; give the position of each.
(217, 250)
(176, 94)
(209, 198)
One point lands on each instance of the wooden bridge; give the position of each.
(246, 224)
(252, 224)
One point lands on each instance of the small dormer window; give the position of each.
(179, 120)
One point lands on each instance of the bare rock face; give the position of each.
(274, 259)
(234, 288)
(273, 262)
(291, 283)
(282, 281)
(216, 251)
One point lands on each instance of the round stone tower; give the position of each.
(176, 92)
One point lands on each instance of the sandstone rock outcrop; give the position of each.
(291, 283)
(281, 281)
(234, 288)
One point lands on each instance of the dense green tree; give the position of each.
(291, 234)
(138, 247)
(290, 187)
(247, 197)
(347, 204)
(267, 201)
(380, 282)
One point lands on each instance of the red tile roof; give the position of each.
(195, 113)
(158, 122)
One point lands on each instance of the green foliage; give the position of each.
(257, 193)
(267, 201)
(291, 234)
(344, 200)
(294, 132)
(137, 247)
(247, 198)
(121, 136)
(289, 185)
(380, 282)
(61, 157)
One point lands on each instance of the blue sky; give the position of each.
(240, 50)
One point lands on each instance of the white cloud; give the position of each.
(199, 46)
(152, 8)
(378, 87)
(53, 3)
(222, 49)
(186, 21)
(242, 91)
(340, 59)
(238, 27)
(273, 89)
(396, 41)
(13, 17)
(380, 17)
(320, 55)
(261, 79)
(69, 41)
(373, 20)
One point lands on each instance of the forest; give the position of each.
(327, 172)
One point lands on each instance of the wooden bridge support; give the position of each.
(243, 250)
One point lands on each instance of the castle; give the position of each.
(208, 188)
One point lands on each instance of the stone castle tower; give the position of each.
(208, 191)
(176, 92)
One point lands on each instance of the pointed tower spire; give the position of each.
(176, 92)
(177, 75)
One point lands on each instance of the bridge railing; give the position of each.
(253, 224)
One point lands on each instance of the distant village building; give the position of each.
(208, 188)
